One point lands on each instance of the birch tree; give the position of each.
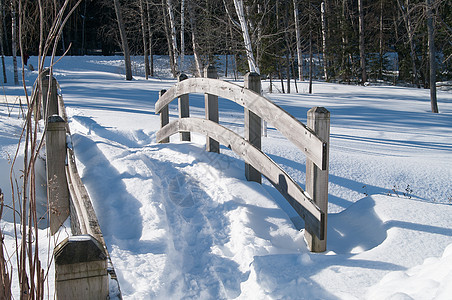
(323, 10)
(192, 18)
(246, 36)
(168, 39)
(405, 11)
(2, 48)
(298, 40)
(151, 52)
(182, 34)
(173, 34)
(145, 44)
(14, 40)
(124, 43)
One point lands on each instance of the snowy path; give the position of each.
(183, 223)
(178, 227)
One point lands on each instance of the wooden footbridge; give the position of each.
(82, 261)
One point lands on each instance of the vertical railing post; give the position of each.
(211, 104)
(253, 128)
(81, 269)
(317, 179)
(164, 117)
(57, 188)
(50, 105)
(184, 109)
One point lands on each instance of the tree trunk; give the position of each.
(14, 40)
(246, 36)
(405, 11)
(125, 44)
(310, 58)
(182, 35)
(381, 50)
(432, 55)
(362, 51)
(2, 48)
(173, 33)
(151, 52)
(323, 10)
(298, 40)
(145, 46)
(83, 30)
(193, 40)
(168, 40)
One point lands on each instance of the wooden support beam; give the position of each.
(184, 109)
(164, 117)
(253, 128)
(57, 188)
(211, 104)
(317, 179)
(295, 131)
(81, 269)
(49, 105)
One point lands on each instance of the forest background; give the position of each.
(353, 41)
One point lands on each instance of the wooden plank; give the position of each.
(184, 109)
(316, 179)
(295, 195)
(50, 104)
(299, 134)
(81, 269)
(211, 104)
(164, 117)
(57, 189)
(88, 223)
(253, 126)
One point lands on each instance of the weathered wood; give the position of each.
(211, 104)
(57, 189)
(49, 101)
(298, 199)
(86, 221)
(83, 216)
(295, 131)
(81, 269)
(164, 117)
(316, 179)
(184, 109)
(253, 126)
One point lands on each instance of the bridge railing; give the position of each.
(82, 261)
(312, 140)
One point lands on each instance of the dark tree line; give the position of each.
(335, 40)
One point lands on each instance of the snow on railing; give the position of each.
(312, 140)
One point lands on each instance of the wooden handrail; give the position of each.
(85, 275)
(299, 134)
(313, 140)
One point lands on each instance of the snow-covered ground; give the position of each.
(183, 223)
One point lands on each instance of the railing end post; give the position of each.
(316, 178)
(81, 269)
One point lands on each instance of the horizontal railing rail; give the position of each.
(295, 131)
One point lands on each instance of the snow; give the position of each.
(183, 223)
